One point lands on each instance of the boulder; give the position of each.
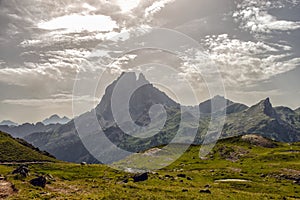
(40, 181)
(140, 177)
(181, 175)
(22, 170)
(207, 191)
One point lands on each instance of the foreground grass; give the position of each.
(270, 174)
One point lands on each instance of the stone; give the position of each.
(39, 182)
(140, 177)
(181, 175)
(22, 170)
(207, 191)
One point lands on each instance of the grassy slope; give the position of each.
(262, 166)
(15, 150)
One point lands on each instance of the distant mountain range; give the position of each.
(8, 123)
(279, 123)
(55, 119)
(25, 129)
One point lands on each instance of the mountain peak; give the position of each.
(143, 96)
(56, 119)
(55, 116)
(218, 97)
(219, 103)
(142, 79)
(131, 77)
(264, 106)
(8, 123)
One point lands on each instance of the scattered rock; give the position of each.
(207, 186)
(289, 174)
(140, 177)
(49, 177)
(83, 163)
(189, 178)
(168, 176)
(233, 153)
(259, 141)
(207, 191)
(185, 190)
(181, 175)
(22, 170)
(40, 181)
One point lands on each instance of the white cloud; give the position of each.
(156, 7)
(49, 101)
(53, 66)
(247, 62)
(254, 16)
(127, 5)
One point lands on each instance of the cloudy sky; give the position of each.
(44, 44)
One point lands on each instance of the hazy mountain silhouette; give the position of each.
(55, 119)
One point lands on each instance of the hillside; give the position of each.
(17, 150)
(237, 168)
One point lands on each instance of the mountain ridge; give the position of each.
(55, 119)
(63, 141)
(8, 123)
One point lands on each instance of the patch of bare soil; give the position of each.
(6, 189)
(62, 188)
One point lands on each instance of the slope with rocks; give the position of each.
(63, 143)
(262, 119)
(288, 115)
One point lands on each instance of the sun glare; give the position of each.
(77, 23)
(127, 5)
